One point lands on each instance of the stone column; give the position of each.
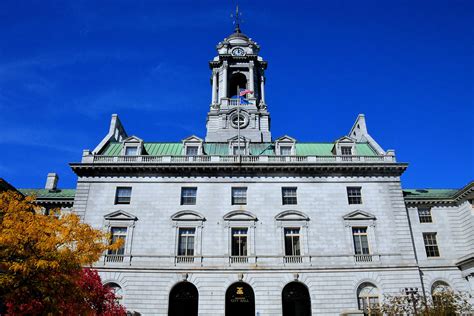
(262, 90)
(214, 87)
(251, 75)
(224, 79)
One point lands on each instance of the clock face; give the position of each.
(238, 51)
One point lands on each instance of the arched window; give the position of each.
(239, 300)
(296, 300)
(237, 81)
(368, 298)
(440, 287)
(183, 300)
(437, 290)
(117, 289)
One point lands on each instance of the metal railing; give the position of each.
(236, 159)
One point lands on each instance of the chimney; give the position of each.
(52, 181)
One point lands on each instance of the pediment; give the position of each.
(359, 215)
(292, 216)
(133, 139)
(236, 138)
(187, 216)
(193, 139)
(286, 139)
(240, 216)
(345, 139)
(120, 216)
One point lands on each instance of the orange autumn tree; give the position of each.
(41, 256)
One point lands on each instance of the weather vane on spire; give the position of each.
(237, 18)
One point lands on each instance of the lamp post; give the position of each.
(411, 292)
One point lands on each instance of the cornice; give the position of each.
(337, 169)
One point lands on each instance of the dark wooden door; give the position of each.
(239, 300)
(296, 300)
(184, 298)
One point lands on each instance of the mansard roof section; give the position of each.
(187, 216)
(120, 216)
(359, 215)
(434, 196)
(222, 149)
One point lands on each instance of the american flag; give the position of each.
(245, 92)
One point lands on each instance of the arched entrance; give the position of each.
(183, 300)
(296, 300)
(239, 300)
(237, 81)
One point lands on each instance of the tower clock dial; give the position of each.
(238, 51)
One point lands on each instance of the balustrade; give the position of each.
(241, 159)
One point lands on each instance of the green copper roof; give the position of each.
(222, 149)
(49, 194)
(429, 193)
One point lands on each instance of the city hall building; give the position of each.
(243, 223)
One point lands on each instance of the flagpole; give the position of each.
(238, 119)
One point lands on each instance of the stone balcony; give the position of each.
(244, 262)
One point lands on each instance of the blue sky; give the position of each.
(66, 66)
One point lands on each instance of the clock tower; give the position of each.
(238, 105)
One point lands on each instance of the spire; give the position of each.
(237, 19)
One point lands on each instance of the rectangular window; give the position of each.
(123, 195)
(239, 242)
(191, 150)
(131, 151)
(118, 233)
(285, 150)
(354, 195)
(361, 242)
(188, 196)
(239, 196)
(292, 242)
(346, 150)
(288, 196)
(424, 214)
(186, 242)
(431, 246)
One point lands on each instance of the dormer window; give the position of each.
(285, 146)
(192, 150)
(285, 150)
(192, 146)
(131, 151)
(132, 146)
(345, 146)
(238, 146)
(238, 150)
(346, 150)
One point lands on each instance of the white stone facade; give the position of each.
(327, 262)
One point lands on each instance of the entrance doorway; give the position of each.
(296, 300)
(239, 300)
(184, 299)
